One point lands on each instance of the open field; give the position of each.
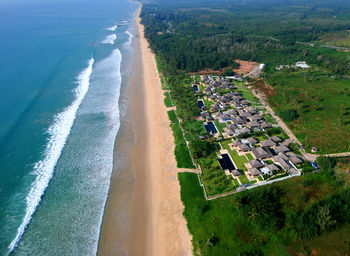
(338, 38)
(322, 105)
(222, 226)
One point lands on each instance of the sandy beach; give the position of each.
(155, 223)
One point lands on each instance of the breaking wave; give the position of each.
(110, 39)
(113, 28)
(59, 132)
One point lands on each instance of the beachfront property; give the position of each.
(250, 152)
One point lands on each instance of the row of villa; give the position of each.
(267, 157)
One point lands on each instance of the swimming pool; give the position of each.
(226, 163)
(210, 127)
(200, 103)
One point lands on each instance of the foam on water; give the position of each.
(109, 39)
(127, 44)
(113, 28)
(111, 67)
(59, 132)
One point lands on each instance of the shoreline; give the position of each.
(143, 213)
(169, 234)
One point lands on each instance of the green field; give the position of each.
(228, 226)
(338, 38)
(323, 107)
(182, 154)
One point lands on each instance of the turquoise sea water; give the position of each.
(61, 69)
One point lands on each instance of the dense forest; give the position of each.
(197, 35)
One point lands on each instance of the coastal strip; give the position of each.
(165, 230)
(147, 186)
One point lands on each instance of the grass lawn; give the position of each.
(269, 118)
(208, 103)
(182, 154)
(250, 157)
(167, 100)
(244, 180)
(323, 106)
(220, 126)
(235, 181)
(239, 160)
(248, 95)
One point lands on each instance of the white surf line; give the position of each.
(128, 43)
(110, 39)
(59, 132)
(113, 28)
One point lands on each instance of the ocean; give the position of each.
(62, 67)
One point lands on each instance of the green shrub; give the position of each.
(201, 148)
(228, 72)
(167, 100)
(326, 163)
(307, 167)
(289, 115)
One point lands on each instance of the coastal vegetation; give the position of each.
(182, 154)
(192, 36)
(297, 215)
(167, 100)
(303, 215)
(316, 108)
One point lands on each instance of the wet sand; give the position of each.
(143, 214)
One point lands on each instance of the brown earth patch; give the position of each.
(208, 72)
(263, 87)
(245, 66)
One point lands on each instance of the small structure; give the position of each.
(265, 125)
(255, 172)
(255, 163)
(236, 173)
(268, 143)
(296, 160)
(276, 139)
(253, 124)
(262, 152)
(252, 140)
(282, 149)
(273, 168)
(280, 158)
(301, 64)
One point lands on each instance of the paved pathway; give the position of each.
(188, 170)
(338, 154)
